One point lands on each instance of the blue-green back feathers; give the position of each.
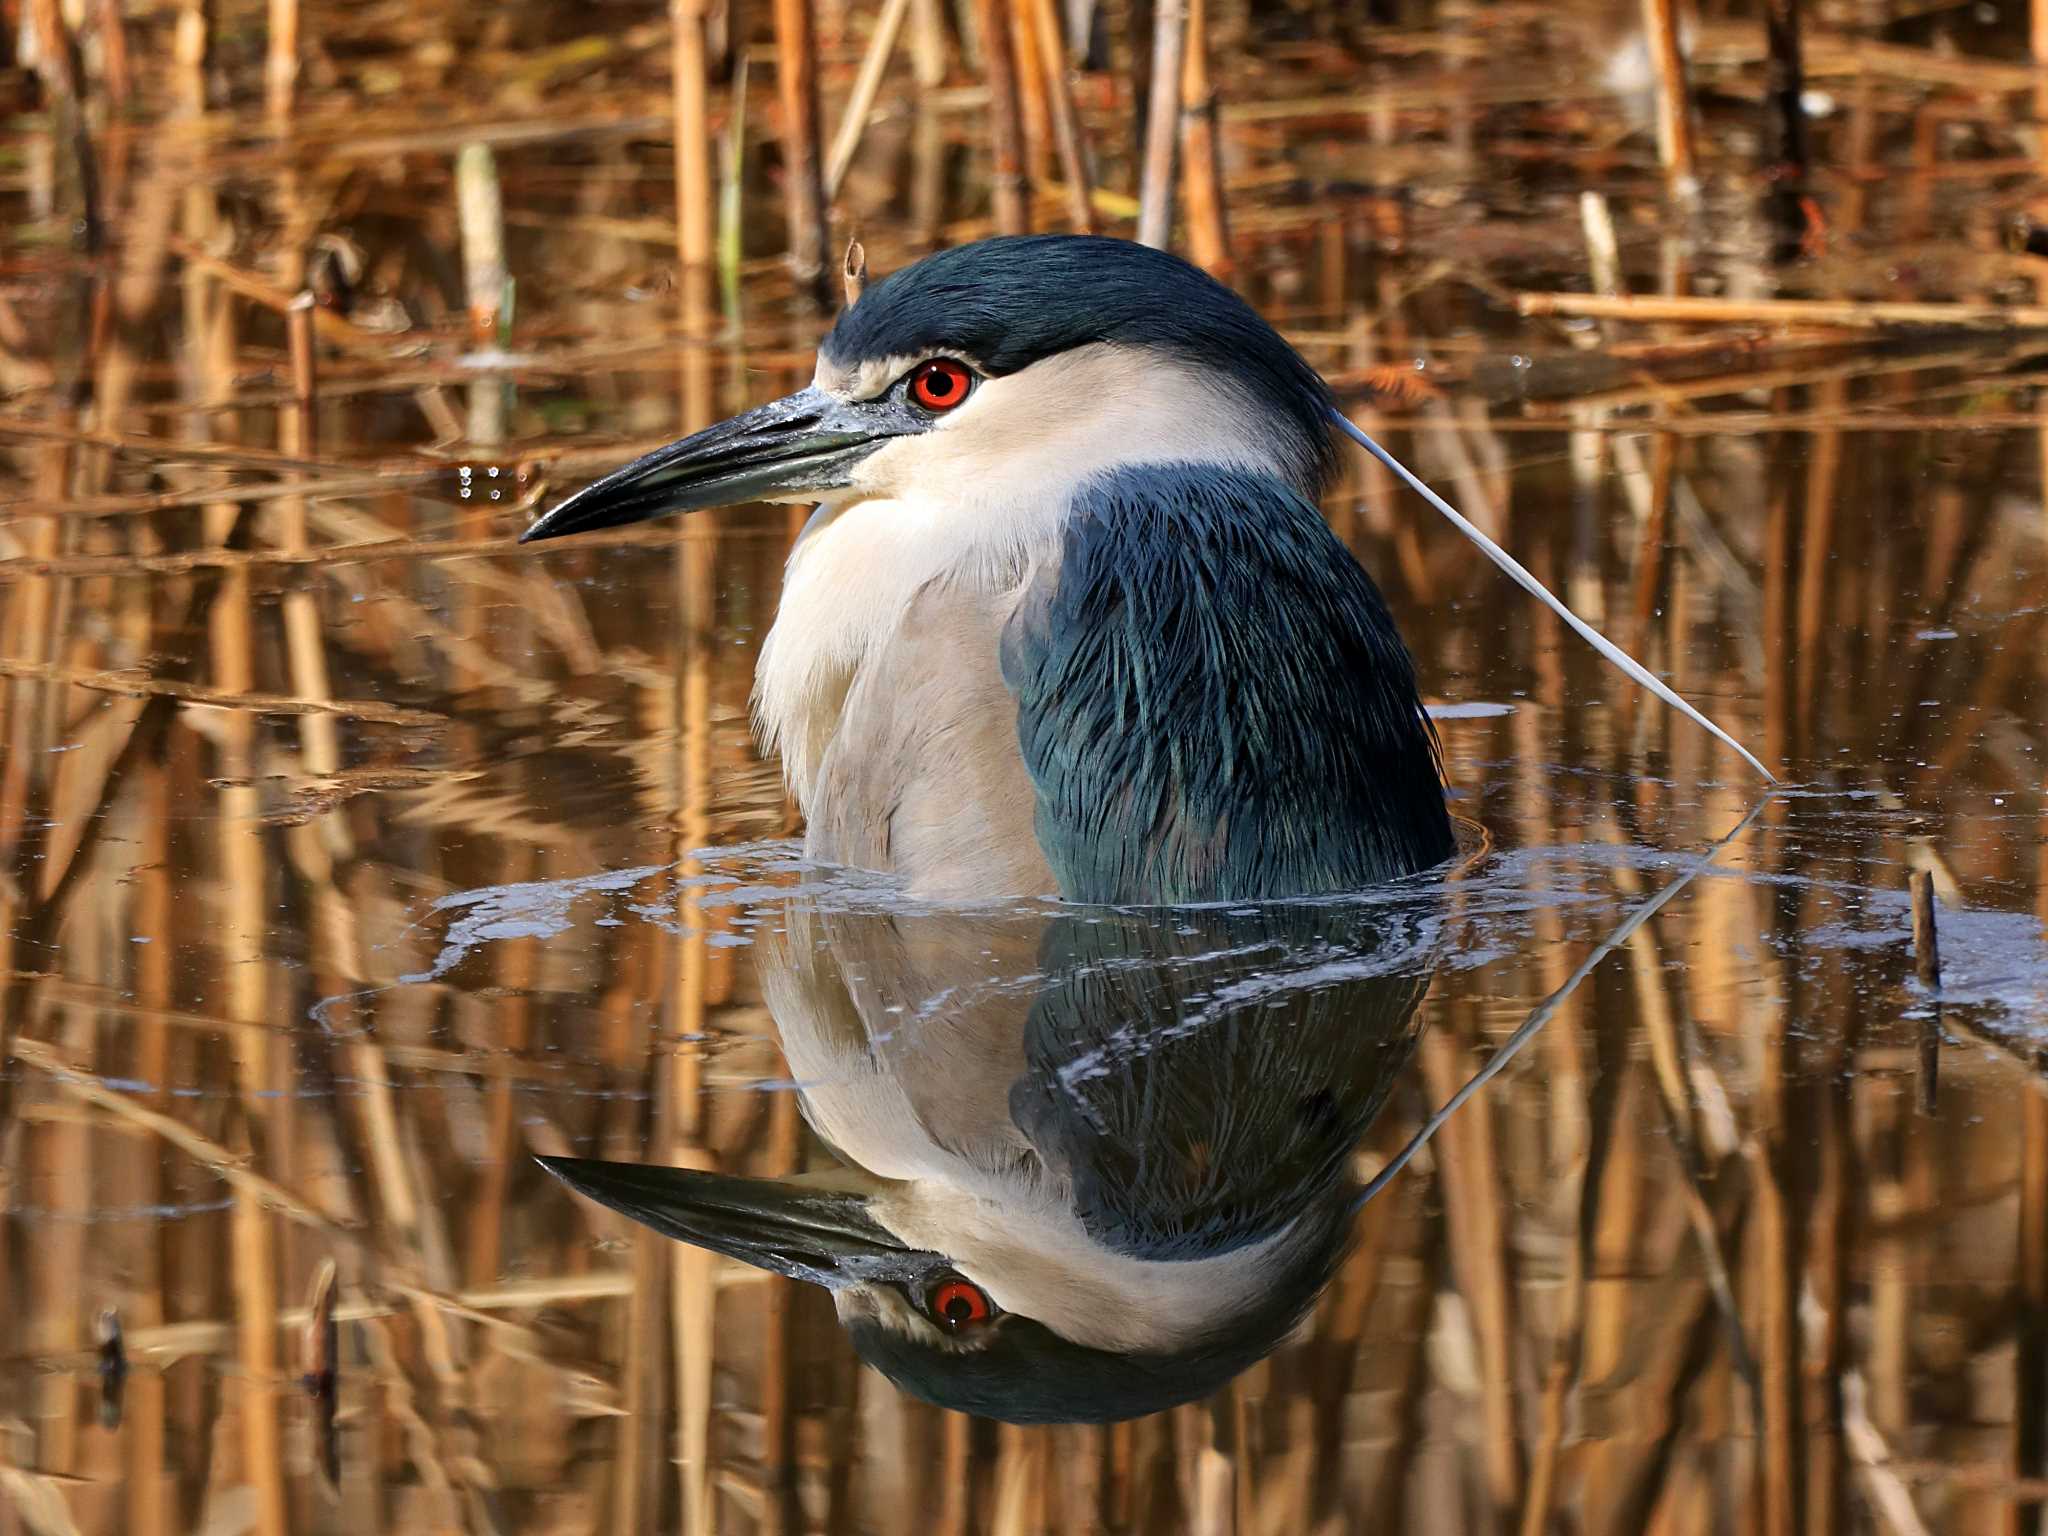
(1213, 702)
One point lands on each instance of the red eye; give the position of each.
(940, 384)
(957, 1304)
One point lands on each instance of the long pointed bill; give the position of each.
(1521, 577)
(796, 448)
(802, 1230)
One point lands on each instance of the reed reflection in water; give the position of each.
(350, 857)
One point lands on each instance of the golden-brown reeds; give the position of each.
(1033, 88)
(2030, 1269)
(796, 82)
(480, 213)
(1066, 118)
(1201, 157)
(1162, 124)
(1855, 313)
(689, 66)
(1926, 942)
(1009, 191)
(1673, 94)
(867, 84)
(281, 61)
(928, 42)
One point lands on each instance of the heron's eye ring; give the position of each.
(955, 1304)
(941, 384)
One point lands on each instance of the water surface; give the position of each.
(351, 855)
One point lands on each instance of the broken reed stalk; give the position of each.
(1674, 99)
(1603, 250)
(1162, 124)
(1066, 117)
(298, 322)
(853, 272)
(1842, 312)
(796, 78)
(480, 211)
(1927, 966)
(694, 205)
(281, 66)
(1008, 190)
(1201, 161)
(1926, 943)
(860, 103)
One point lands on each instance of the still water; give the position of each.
(352, 856)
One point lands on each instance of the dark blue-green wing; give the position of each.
(1213, 702)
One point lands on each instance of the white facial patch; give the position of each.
(1035, 435)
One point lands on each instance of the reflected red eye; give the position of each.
(957, 1304)
(940, 384)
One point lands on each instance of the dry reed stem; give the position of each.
(696, 201)
(300, 328)
(113, 37)
(1033, 91)
(1009, 191)
(1844, 312)
(234, 1167)
(867, 85)
(928, 43)
(1468, 1170)
(1162, 124)
(1927, 966)
(240, 560)
(1201, 156)
(1066, 118)
(1889, 1498)
(1683, 389)
(281, 63)
(1926, 941)
(2030, 1260)
(1674, 98)
(253, 1265)
(796, 82)
(480, 217)
(853, 272)
(126, 686)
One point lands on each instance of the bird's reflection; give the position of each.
(1095, 1161)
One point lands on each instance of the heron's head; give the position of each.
(1004, 372)
(1005, 1311)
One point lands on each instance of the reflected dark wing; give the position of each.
(1203, 1081)
(1213, 702)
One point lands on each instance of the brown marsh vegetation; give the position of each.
(347, 851)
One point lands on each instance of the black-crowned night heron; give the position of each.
(1096, 1163)
(1066, 623)
(1067, 620)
